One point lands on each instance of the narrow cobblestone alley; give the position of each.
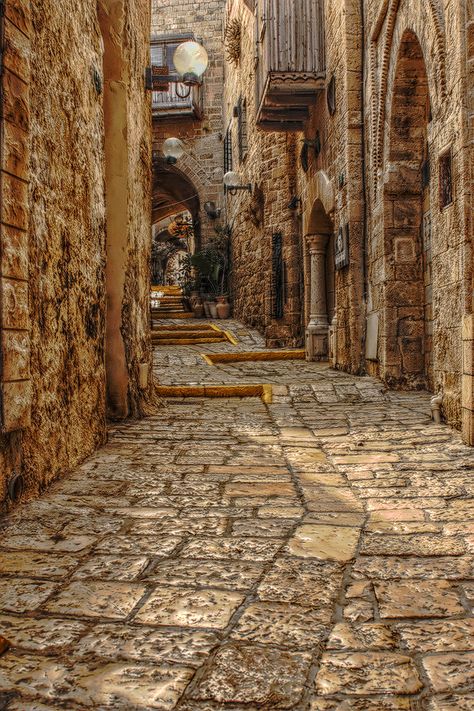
(314, 553)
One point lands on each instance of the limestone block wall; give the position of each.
(203, 137)
(54, 247)
(436, 47)
(341, 160)
(468, 321)
(274, 166)
(270, 163)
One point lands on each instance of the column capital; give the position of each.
(317, 242)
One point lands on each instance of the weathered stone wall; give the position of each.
(413, 293)
(439, 32)
(202, 163)
(341, 163)
(270, 164)
(273, 166)
(64, 220)
(468, 321)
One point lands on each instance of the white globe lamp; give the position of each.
(191, 61)
(173, 150)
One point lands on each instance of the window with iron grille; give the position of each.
(228, 162)
(446, 179)
(242, 128)
(278, 276)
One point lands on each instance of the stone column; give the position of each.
(318, 328)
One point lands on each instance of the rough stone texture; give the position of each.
(417, 294)
(54, 142)
(202, 164)
(143, 581)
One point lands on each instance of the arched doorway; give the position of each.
(319, 282)
(176, 228)
(407, 240)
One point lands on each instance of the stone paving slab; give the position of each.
(313, 554)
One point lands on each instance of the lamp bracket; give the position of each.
(233, 189)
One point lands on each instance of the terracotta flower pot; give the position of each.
(198, 310)
(223, 309)
(213, 309)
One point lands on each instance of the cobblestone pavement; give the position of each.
(312, 554)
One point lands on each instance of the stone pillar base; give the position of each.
(317, 342)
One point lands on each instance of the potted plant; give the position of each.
(212, 265)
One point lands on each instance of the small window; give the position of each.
(446, 179)
(228, 161)
(242, 128)
(278, 276)
(331, 95)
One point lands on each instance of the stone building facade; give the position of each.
(74, 235)
(197, 178)
(369, 201)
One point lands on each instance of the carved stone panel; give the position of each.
(19, 12)
(15, 150)
(14, 253)
(16, 51)
(14, 198)
(15, 101)
(15, 386)
(16, 406)
(15, 355)
(14, 304)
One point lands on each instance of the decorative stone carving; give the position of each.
(15, 386)
(16, 405)
(14, 253)
(15, 355)
(14, 304)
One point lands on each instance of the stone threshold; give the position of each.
(215, 358)
(265, 392)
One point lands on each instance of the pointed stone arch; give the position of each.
(395, 17)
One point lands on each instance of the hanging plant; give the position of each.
(181, 227)
(233, 41)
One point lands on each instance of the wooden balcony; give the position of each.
(172, 100)
(290, 61)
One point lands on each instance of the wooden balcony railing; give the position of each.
(290, 61)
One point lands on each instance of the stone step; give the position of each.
(186, 341)
(188, 333)
(172, 314)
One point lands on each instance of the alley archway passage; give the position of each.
(407, 243)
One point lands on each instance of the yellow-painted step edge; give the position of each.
(157, 316)
(215, 358)
(184, 327)
(227, 334)
(265, 392)
(186, 341)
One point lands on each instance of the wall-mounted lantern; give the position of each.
(233, 183)
(190, 60)
(173, 150)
